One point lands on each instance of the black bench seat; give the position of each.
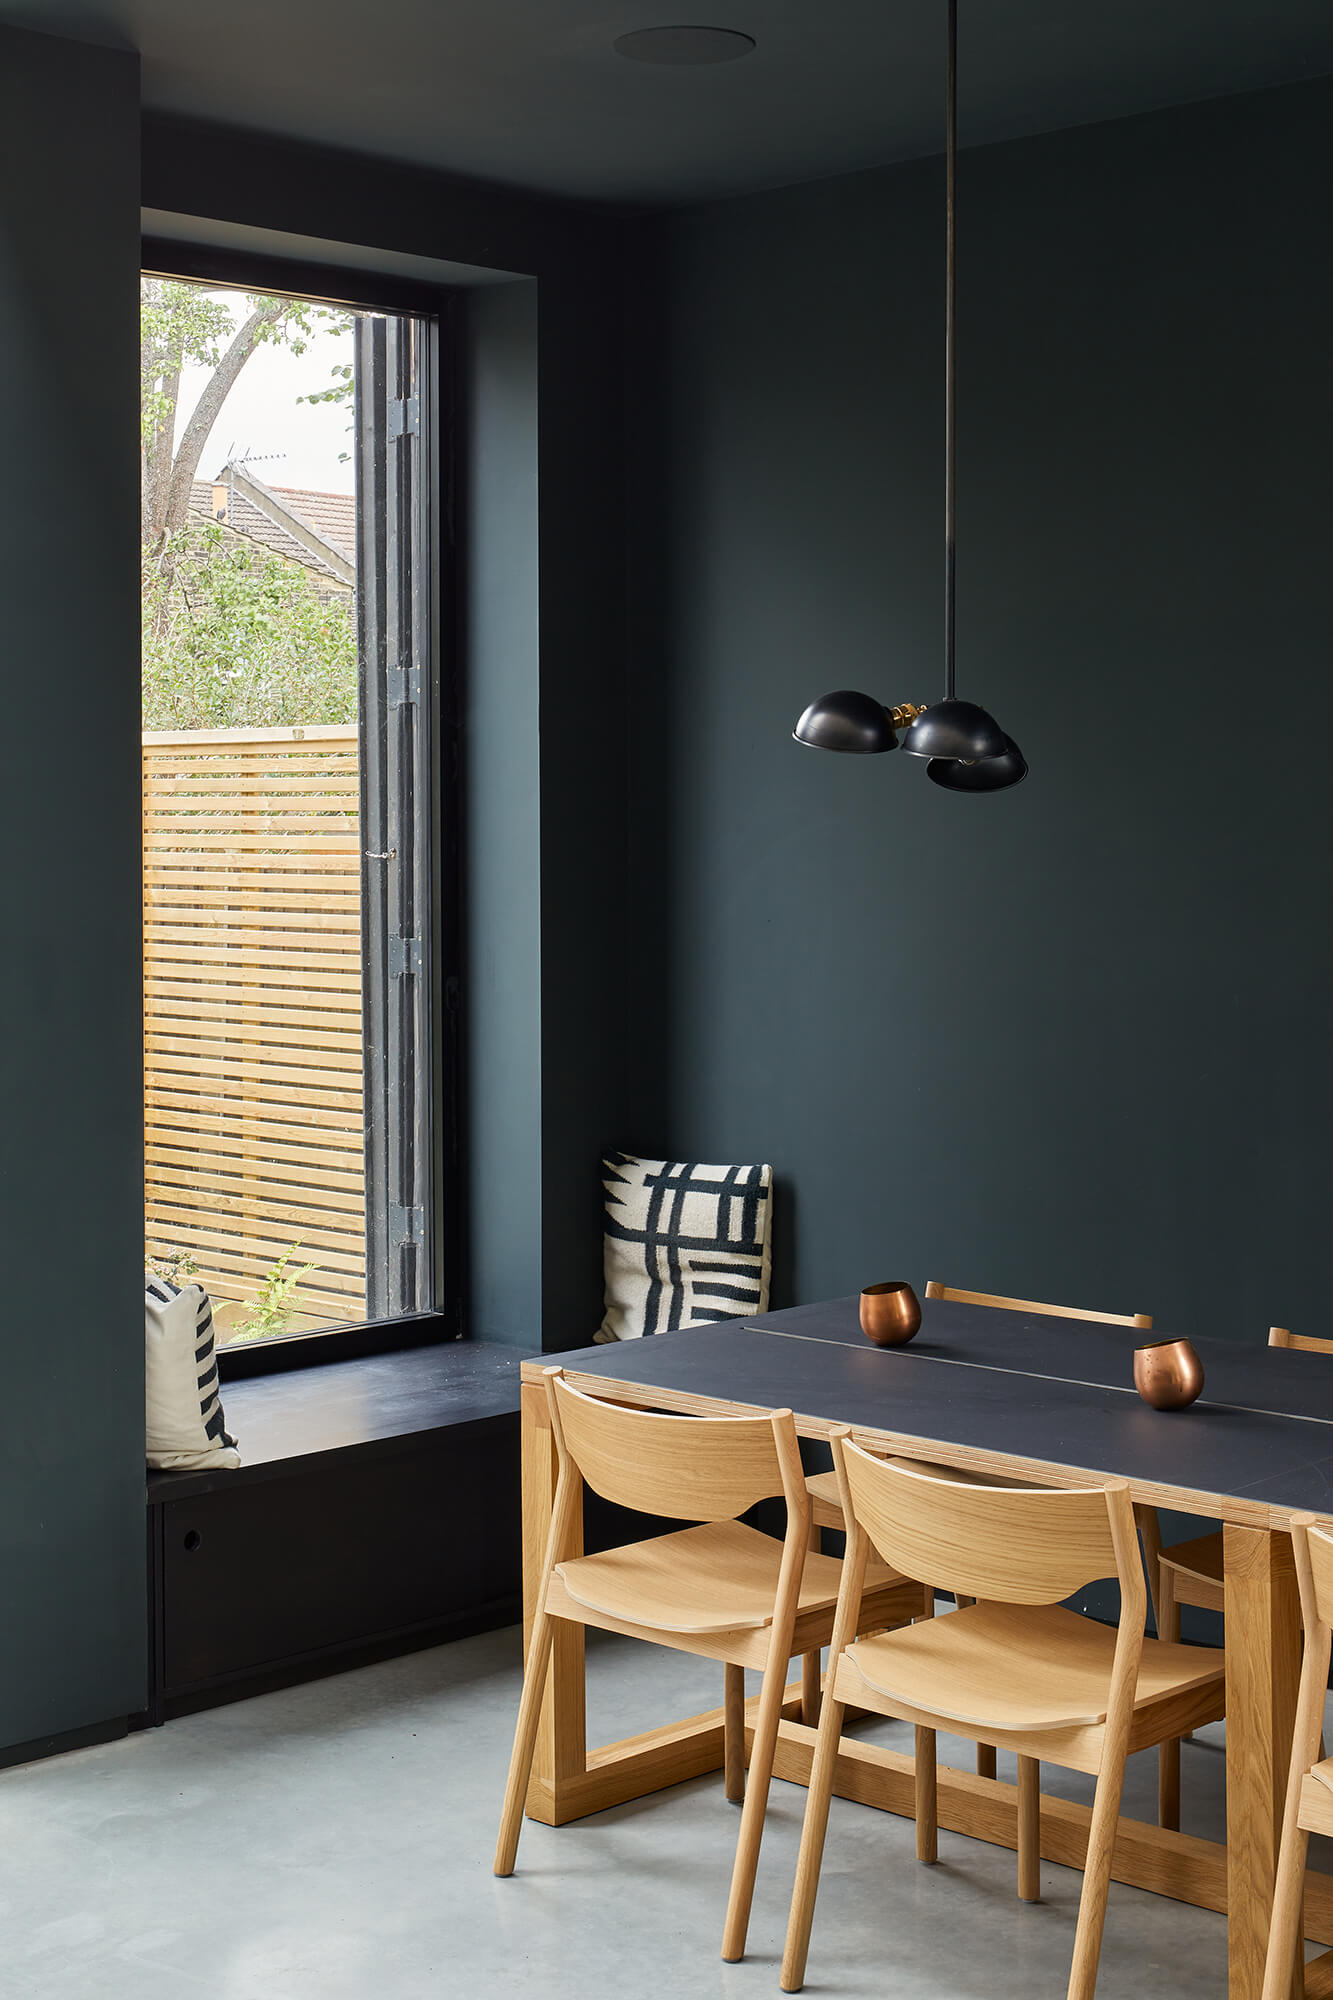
(376, 1510)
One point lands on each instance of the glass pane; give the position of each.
(258, 974)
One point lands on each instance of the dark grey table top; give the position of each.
(1048, 1393)
(1251, 1376)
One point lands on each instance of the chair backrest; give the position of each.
(1312, 1545)
(935, 1290)
(1281, 1336)
(689, 1468)
(1312, 1541)
(1007, 1544)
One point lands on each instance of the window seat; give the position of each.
(362, 1407)
(376, 1510)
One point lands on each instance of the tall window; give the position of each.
(286, 803)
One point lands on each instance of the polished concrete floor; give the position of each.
(334, 1843)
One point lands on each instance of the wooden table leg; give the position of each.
(1263, 1668)
(562, 1745)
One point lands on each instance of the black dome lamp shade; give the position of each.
(984, 774)
(966, 747)
(956, 729)
(847, 721)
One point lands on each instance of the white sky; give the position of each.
(262, 416)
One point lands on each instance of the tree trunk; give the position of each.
(157, 462)
(207, 410)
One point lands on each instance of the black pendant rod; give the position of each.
(950, 173)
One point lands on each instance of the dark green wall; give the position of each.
(71, 1166)
(1069, 1042)
(549, 925)
(502, 833)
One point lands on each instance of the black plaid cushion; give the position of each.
(685, 1243)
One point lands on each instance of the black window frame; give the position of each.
(437, 308)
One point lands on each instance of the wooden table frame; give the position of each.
(1263, 1666)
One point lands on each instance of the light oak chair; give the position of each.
(1309, 1807)
(1191, 1573)
(1014, 1668)
(721, 1589)
(826, 1512)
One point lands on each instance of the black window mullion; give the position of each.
(406, 795)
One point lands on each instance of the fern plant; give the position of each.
(271, 1309)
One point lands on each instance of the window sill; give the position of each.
(317, 1349)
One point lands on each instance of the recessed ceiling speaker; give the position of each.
(684, 47)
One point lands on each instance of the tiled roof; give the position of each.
(332, 517)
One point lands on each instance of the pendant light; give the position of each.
(966, 748)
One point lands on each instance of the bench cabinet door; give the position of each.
(345, 1552)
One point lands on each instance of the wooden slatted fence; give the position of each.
(254, 1136)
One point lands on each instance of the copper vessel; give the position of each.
(1168, 1374)
(890, 1313)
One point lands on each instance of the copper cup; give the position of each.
(1168, 1374)
(890, 1313)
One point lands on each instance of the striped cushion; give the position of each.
(183, 1402)
(685, 1243)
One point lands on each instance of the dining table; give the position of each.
(1008, 1392)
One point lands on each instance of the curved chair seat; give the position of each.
(1022, 1668)
(721, 1577)
(1323, 1773)
(825, 1506)
(1197, 1568)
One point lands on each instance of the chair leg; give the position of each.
(927, 1803)
(525, 1743)
(733, 1732)
(985, 1751)
(810, 1694)
(1284, 1934)
(1029, 1830)
(1096, 1881)
(752, 1813)
(810, 1661)
(813, 1829)
(1168, 1753)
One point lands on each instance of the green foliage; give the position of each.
(342, 390)
(274, 1304)
(237, 637)
(180, 327)
(296, 322)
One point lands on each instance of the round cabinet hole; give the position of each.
(193, 1540)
